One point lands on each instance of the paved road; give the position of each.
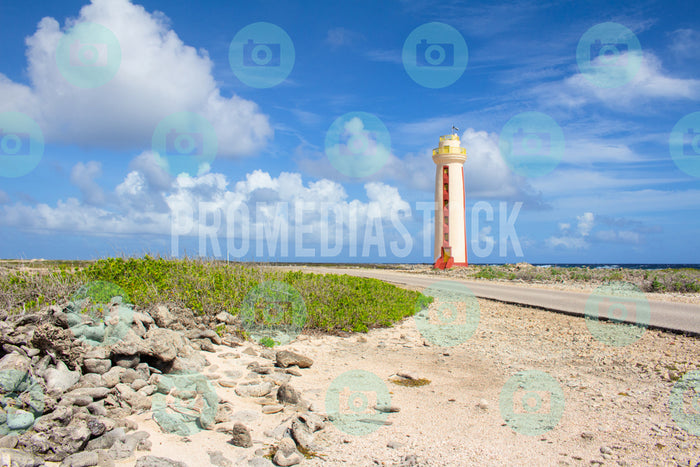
(678, 317)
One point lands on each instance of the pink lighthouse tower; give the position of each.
(450, 225)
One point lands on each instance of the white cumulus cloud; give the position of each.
(649, 83)
(83, 176)
(158, 75)
(619, 230)
(585, 223)
(573, 240)
(249, 208)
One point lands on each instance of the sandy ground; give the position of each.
(615, 399)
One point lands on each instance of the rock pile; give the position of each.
(70, 377)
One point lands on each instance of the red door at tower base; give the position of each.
(445, 261)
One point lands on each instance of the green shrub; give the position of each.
(616, 276)
(268, 342)
(490, 272)
(333, 303)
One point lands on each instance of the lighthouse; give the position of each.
(450, 225)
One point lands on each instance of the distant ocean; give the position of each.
(618, 266)
(541, 265)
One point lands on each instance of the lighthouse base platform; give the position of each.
(446, 261)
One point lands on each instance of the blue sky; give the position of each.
(270, 188)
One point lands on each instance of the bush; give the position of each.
(683, 280)
(333, 303)
(491, 272)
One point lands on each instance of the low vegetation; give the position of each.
(411, 383)
(332, 303)
(682, 280)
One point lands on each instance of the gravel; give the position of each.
(616, 399)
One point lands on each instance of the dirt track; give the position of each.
(616, 399)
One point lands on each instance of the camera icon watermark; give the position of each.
(435, 55)
(258, 54)
(617, 314)
(21, 144)
(88, 55)
(184, 403)
(609, 55)
(100, 313)
(691, 143)
(605, 54)
(21, 401)
(684, 402)
(186, 143)
(261, 55)
(363, 143)
(531, 402)
(684, 144)
(14, 144)
(532, 144)
(358, 144)
(273, 313)
(452, 318)
(352, 400)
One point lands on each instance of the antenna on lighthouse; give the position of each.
(454, 130)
